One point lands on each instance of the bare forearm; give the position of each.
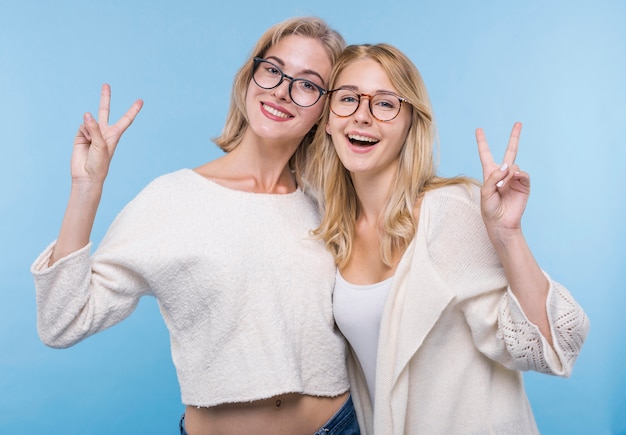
(526, 279)
(94, 145)
(78, 220)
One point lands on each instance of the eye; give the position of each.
(306, 86)
(272, 70)
(347, 97)
(385, 102)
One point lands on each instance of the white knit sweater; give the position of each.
(243, 289)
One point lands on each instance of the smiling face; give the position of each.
(272, 115)
(364, 144)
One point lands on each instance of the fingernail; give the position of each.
(500, 183)
(88, 116)
(504, 167)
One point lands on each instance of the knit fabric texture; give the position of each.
(242, 287)
(454, 339)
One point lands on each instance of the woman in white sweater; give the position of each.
(225, 249)
(437, 290)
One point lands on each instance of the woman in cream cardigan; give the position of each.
(437, 290)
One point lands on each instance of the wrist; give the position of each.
(86, 188)
(507, 238)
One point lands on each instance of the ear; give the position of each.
(327, 129)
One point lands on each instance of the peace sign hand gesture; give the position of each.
(95, 142)
(94, 146)
(505, 189)
(503, 198)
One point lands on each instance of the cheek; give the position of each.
(316, 114)
(334, 125)
(248, 99)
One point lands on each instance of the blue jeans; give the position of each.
(344, 422)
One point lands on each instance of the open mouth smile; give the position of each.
(362, 141)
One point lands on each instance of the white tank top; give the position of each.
(358, 310)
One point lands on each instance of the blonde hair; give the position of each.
(237, 120)
(327, 179)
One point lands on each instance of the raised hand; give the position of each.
(505, 189)
(94, 146)
(96, 141)
(504, 196)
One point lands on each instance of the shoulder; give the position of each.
(171, 180)
(456, 241)
(160, 193)
(178, 184)
(450, 218)
(462, 200)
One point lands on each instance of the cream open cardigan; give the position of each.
(453, 338)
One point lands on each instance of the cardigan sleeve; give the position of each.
(461, 250)
(569, 326)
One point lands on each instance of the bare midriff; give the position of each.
(292, 414)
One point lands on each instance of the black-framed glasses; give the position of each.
(384, 106)
(302, 92)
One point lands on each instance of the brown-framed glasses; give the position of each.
(384, 106)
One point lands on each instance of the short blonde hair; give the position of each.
(325, 176)
(237, 120)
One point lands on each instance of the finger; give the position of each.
(511, 149)
(93, 129)
(484, 153)
(127, 119)
(499, 177)
(105, 105)
(522, 177)
(508, 173)
(83, 134)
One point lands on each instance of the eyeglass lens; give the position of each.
(302, 92)
(383, 106)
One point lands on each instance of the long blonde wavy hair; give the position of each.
(326, 178)
(237, 119)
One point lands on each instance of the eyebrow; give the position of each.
(356, 89)
(306, 71)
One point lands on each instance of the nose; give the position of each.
(363, 114)
(281, 91)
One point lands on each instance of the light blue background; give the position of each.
(557, 66)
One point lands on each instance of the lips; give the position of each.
(361, 140)
(275, 112)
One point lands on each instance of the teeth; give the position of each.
(275, 112)
(362, 138)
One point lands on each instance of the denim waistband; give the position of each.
(344, 422)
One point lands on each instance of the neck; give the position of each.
(254, 166)
(372, 193)
(260, 172)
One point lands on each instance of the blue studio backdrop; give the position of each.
(557, 66)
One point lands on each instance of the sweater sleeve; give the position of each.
(466, 259)
(82, 294)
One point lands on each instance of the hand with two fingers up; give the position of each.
(505, 189)
(504, 195)
(96, 140)
(94, 145)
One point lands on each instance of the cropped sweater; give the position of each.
(453, 337)
(243, 289)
